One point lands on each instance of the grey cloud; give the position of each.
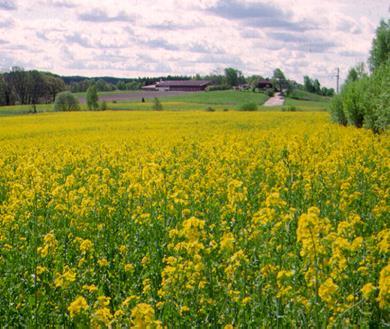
(172, 26)
(349, 27)
(160, 43)
(314, 46)
(352, 53)
(220, 59)
(198, 47)
(301, 42)
(287, 37)
(111, 57)
(100, 16)
(250, 34)
(6, 22)
(61, 3)
(79, 39)
(42, 35)
(84, 41)
(258, 15)
(3, 42)
(8, 4)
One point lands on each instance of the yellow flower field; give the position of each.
(195, 219)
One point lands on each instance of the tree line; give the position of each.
(29, 87)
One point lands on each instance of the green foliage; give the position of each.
(355, 101)
(157, 106)
(290, 108)
(314, 86)
(233, 77)
(270, 92)
(92, 98)
(217, 87)
(248, 107)
(66, 101)
(337, 111)
(279, 79)
(210, 109)
(3, 94)
(304, 95)
(29, 87)
(377, 116)
(380, 52)
(365, 102)
(103, 106)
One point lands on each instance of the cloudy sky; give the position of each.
(129, 38)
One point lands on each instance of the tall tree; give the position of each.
(380, 52)
(279, 79)
(55, 85)
(19, 82)
(92, 98)
(317, 86)
(308, 84)
(233, 76)
(38, 88)
(2, 91)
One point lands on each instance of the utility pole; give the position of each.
(338, 79)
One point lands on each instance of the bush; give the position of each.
(270, 92)
(356, 101)
(290, 108)
(377, 116)
(66, 101)
(103, 106)
(225, 110)
(337, 112)
(217, 87)
(157, 106)
(210, 109)
(248, 107)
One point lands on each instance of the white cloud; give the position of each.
(152, 37)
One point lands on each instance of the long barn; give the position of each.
(179, 85)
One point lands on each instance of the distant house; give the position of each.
(179, 85)
(264, 84)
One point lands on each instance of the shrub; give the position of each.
(210, 109)
(337, 111)
(270, 92)
(290, 108)
(103, 106)
(157, 106)
(377, 116)
(355, 101)
(248, 107)
(225, 110)
(66, 101)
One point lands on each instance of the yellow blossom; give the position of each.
(77, 306)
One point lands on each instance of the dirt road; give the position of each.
(277, 100)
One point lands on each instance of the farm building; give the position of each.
(265, 84)
(179, 85)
